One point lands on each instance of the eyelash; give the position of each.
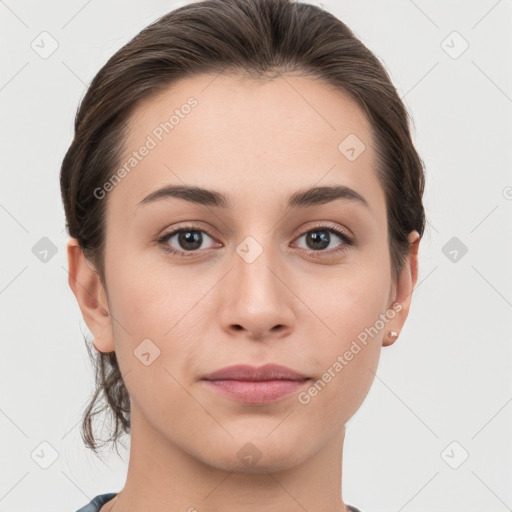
(348, 241)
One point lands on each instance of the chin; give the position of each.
(262, 456)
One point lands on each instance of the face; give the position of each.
(250, 279)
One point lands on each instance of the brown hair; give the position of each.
(251, 37)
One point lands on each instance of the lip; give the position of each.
(252, 385)
(249, 373)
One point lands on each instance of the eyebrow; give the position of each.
(301, 199)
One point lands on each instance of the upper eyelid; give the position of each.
(318, 225)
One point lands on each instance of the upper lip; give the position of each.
(251, 373)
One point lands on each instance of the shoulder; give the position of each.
(96, 503)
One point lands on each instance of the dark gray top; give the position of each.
(96, 503)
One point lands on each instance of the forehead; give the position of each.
(272, 137)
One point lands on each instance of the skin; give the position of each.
(258, 143)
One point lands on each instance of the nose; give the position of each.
(257, 297)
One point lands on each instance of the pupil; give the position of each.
(323, 238)
(195, 239)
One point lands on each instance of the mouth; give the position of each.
(252, 385)
(256, 392)
(246, 372)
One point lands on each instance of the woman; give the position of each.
(244, 203)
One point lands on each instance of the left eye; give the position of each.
(320, 239)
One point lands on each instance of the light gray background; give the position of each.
(448, 376)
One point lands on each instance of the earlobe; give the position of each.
(85, 283)
(404, 288)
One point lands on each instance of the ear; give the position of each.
(404, 288)
(90, 294)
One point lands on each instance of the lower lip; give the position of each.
(258, 392)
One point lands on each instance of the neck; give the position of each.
(162, 477)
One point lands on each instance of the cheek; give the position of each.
(157, 316)
(345, 361)
(156, 332)
(147, 300)
(353, 323)
(351, 303)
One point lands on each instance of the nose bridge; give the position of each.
(255, 263)
(256, 297)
